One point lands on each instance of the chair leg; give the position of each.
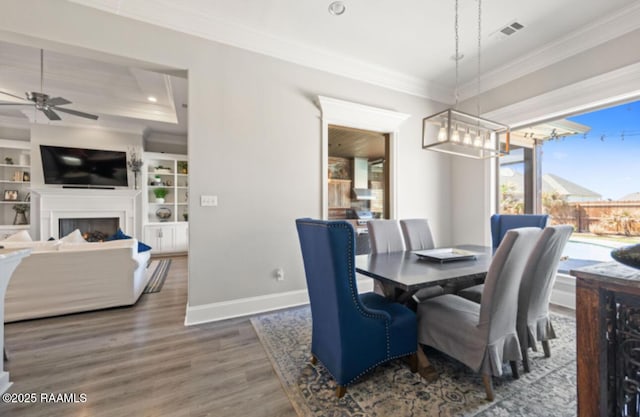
(525, 360)
(425, 368)
(314, 360)
(514, 369)
(547, 348)
(413, 363)
(341, 390)
(488, 386)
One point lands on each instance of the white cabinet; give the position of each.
(165, 188)
(15, 186)
(167, 238)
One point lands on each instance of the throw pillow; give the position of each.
(21, 236)
(119, 235)
(143, 247)
(74, 237)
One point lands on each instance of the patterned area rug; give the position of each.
(158, 269)
(392, 390)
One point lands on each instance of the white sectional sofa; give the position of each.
(61, 277)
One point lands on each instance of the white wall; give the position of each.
(13, 133)
(167, 143)
(254, 141)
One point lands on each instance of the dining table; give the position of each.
(404, 273)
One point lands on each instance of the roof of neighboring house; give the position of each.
(565, 187)
(631, 197)
(550, 183)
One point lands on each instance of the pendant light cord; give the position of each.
(457, 54)
(41, 70)
(479, 54)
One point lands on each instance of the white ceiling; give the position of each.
(405, 45)
(117, 93)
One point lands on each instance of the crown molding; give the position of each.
(346, 113)
(179, 17)
(605, 29)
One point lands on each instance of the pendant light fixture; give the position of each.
(458, 133)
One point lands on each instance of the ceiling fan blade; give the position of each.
(57, 101)
(51, 115)
(77, 113)
(11, 95)
(16, 104)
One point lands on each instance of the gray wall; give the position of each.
(254, 141)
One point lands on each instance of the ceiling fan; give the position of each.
(44, 103)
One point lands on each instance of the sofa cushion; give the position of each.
(88, 246)
(21, 236)
(119, 235)
(35, 246)
(73, 237)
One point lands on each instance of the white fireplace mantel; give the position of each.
(53, 204)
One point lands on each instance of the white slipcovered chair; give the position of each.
(417, 236)
(482, 336)
(385, 237)
(533, 321)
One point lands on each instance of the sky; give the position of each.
(605, 160)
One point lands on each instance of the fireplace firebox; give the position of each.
(94, 229)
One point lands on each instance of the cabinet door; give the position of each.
(181, 243)
(339, 193)
(160, 238)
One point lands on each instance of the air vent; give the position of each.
(512, 28)
(509, 29)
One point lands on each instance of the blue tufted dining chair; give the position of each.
(352, 333)
(501, 223)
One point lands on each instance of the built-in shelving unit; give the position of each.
(15, 185)
(166, 222)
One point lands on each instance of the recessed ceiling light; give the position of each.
(337, 8)
(152, 99)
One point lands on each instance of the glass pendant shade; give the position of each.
(482, 138)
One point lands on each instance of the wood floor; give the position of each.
(143, 361)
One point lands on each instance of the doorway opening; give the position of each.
(358, 177)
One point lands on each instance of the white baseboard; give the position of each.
(224, 310)
(5, 384)
(563, 294)
(564, 291)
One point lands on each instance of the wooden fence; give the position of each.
(600, 216)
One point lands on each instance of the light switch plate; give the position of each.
(208, 200)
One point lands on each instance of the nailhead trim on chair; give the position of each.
(358, 304)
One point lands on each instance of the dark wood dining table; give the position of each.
(405, 273)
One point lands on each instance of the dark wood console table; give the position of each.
(608, 340)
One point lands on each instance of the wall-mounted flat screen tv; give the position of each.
(80, 166)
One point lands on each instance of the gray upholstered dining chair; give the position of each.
(417, 236)
(385, 237)
(482, 336)
(533, 321)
